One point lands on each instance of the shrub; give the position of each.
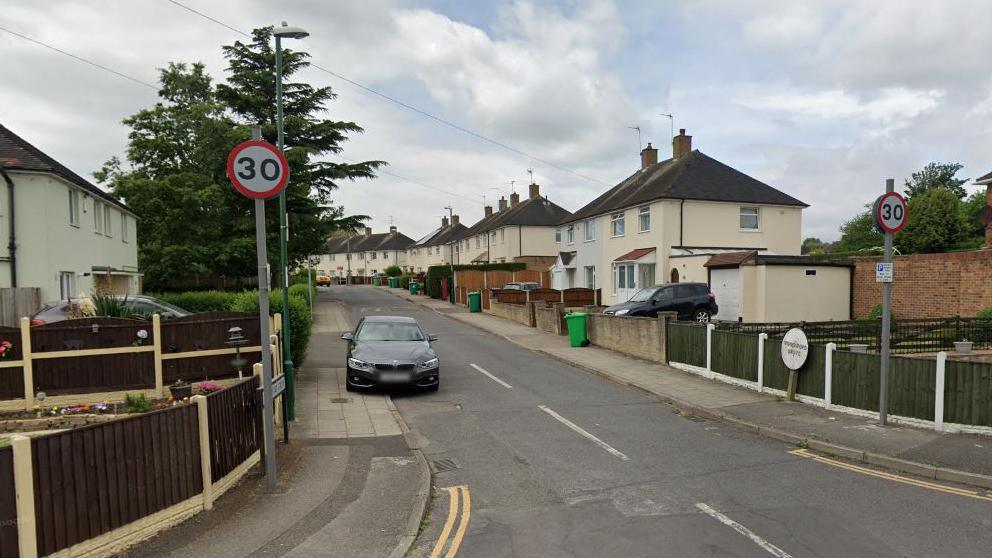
(300, 277)
(875, 313)
(112, 306)
(300, 290)
(200, 301)
(137, 403)
(405, 281)
(299, 320)
(394, 271)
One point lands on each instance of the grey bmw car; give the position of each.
(391, 351)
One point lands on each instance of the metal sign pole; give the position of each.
(263, 322)
(883, 384)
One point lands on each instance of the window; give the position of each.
(107, 212)
(616, 220)
(590, 230)
(385, 255)
(372, 255)
(502, 236)
(557, 236)
(361, 255)
(332, 257)
(810, 272)
(666, 294)
(644, 219)
(347, 257)
(645, 274)
(74, 207)
(123, 227)
(590, 277)
(570, 234)
(97, 217)
(749, 218)
(67, 285)
(492, 238)
(478, 241)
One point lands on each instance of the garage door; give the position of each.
(726, 285)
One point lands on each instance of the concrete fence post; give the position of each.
(27, 368)
(709, 349)
(27, 529)
(203, 421)
(761, 361)
(828, 374)
(157, 341)
(938, 394)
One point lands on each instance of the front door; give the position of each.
(625, 281)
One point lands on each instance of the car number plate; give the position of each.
(394, 377)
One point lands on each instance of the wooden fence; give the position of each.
(17, 302)
(87, 487)
(571, 298)
(939, 391)
(106, 356)
(474, 280)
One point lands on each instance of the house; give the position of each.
(664, 222)
(364, 254)
(65, 235)
(986, 180)
(521, 231)
(437, 247)
(754, 287)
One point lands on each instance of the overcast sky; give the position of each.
(823, 100)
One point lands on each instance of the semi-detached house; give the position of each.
(663, 223)
(364, 254)
(437, 247)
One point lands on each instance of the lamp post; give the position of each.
(285, 31)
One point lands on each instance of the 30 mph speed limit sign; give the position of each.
(891, 212)
(257, 169)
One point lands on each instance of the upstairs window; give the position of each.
(74, 207)
(749, 219)
(644, 219)
(571, 234)
(124, 232)
(557, 236)
(385, 255)
(107, 213)
(97, 217)
(616, 220)
(590, 230)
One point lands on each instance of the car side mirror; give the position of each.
(432, 338)
(348, 336)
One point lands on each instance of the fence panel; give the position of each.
(216, 367)
(8, 506)
(735, 355)
(94, 479)
(911, 387)
(544, 295)
(12, 383)
(235, 416)
(686, 344)
(208, 330)
(94, 374)
(511, 297)
(811, 375)
(89, 333)
(18, 302)
(496, 279)
(968, 393)
(579, 297)
(856, 380)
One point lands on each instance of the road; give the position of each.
(551, 461)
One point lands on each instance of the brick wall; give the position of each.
(928, 285)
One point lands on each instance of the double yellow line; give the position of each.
(466, 514)
(892, 477)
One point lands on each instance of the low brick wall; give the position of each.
(548, 318)
(638, 337)
(520, 313)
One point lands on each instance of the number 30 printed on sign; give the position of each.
(890, 212)
(257, 169)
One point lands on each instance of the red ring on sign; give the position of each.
(252, 193)
(878, 212)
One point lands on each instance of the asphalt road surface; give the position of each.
(536, 458)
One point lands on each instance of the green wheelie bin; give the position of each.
(376, 281)
(475, 301)
(577, 329)
(414, 287)
(394, 282)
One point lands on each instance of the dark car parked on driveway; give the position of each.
(692, 301)
(142, 306)
(391, 351)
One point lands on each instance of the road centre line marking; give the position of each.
(769, 547)
(491, 377)
(612, 450)
(453, 492)
(890, 476)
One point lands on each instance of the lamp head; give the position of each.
(289, 32)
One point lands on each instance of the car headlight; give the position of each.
(621, 312)
(360, 364)
(427, 364)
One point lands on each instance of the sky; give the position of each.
(823, 100)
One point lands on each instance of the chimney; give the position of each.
(514, 199)
(444, 222)
(489, 211)
(392, 230)
(681, 145)
(502, 203)
(535, 191)
(368, 231)
(649, 156)
(454, 220)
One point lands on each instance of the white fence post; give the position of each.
(27, 529)
(157, 339)
(28, 366)
(761, 361)
(709, 349)
(938, 394)
(203, 419)
(828, 374)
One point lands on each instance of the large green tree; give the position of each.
(935, 222)
(858, 234)
(937, 175)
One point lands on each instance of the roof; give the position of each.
(531, 212)
(17, 154)
(985, 179)
(451, 233)
(635, 255)
(482, 258)
(695, 176)
(736, 259)
(730, 259)
(367, 243)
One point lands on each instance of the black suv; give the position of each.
(693, 301)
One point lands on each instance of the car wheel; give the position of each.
(701, 316)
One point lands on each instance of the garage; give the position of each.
(725, 284)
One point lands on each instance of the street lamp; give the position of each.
(289, 32)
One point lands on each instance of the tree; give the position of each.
(936, 175)
(971, 215)
(935, 222)
(813, 245)
(857, 234)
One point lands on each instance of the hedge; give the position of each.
(199, 301)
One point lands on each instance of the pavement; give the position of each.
(349, 484)
(963, 458)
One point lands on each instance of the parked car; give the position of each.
(522, 286)
(391, 351)
(323, 281)
(692, 301)
(142, 305)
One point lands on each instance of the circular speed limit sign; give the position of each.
(891, 212)
(257, 169)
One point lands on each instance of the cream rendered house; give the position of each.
(364, 254)
(438, 247)
(664, 222)
(64, 235)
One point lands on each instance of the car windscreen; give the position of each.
(179, 311)
(386, 331)
(643, 295)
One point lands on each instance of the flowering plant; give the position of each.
(101, 407)
(207, 387)
(141, 335)
(5, 348)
